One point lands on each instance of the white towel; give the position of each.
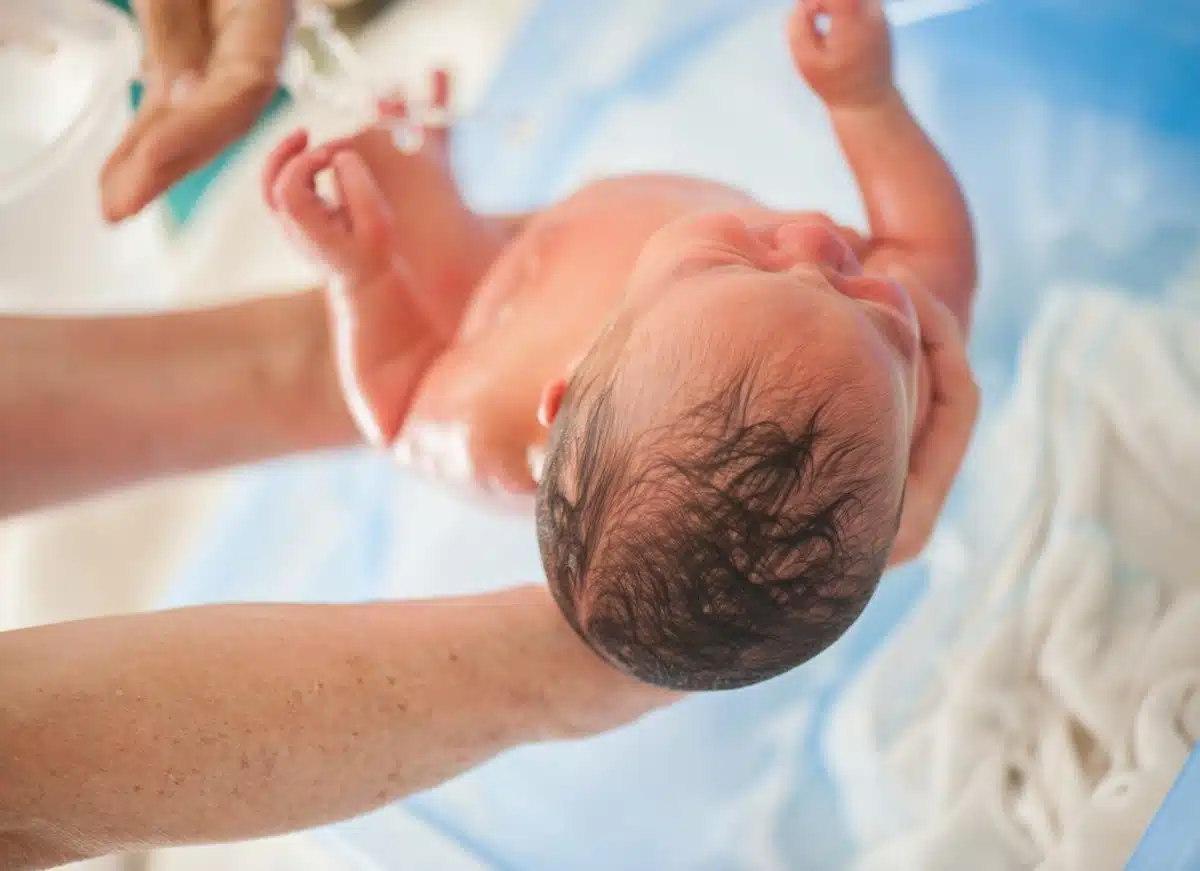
(1036, 707)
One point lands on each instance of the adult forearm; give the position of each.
(232, 722)
(87, 404)
(914, 204)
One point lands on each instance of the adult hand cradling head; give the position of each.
(210, 69)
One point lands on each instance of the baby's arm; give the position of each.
(403, 250)
(918, 217)
(386, 334)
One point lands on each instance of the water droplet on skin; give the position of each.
(407, 137)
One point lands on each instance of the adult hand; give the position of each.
(942, 441)
(210, 68)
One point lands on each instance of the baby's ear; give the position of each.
(552, 397)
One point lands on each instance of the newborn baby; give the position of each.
(722, 408)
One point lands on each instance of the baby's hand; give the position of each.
(843, 49)
(350, 236)
(384, 335)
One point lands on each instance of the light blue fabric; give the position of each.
(1073, 126)
(1172, 843)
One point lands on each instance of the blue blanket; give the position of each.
(1072, 125)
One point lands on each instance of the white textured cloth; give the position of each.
(1036, 707)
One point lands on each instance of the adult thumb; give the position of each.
(178, 38)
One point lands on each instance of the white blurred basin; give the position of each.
(66, 65)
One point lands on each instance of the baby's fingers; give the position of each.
(808, 34)
(292, 146)
(295, 193)
(803, 32)
(367, 209)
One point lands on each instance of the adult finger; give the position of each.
(251, 34)
(121, 177)
(942, 444)
(220, 112)
(953, 411)
(438, 125)
(170, 141)
(937, 456)
(954, 400)
(183, 131)
(442, 88)
(177, 36)
(177, 40)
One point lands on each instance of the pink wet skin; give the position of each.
(659, 282)
(676, 291)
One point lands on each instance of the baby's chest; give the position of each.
(560, 275)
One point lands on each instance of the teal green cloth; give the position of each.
(183, 197)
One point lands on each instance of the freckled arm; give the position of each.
(231, 722)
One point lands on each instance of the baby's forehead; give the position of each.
(655, 367)
(664, 360)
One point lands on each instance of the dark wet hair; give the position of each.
(719, 550)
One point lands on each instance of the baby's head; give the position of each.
(726, 467)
